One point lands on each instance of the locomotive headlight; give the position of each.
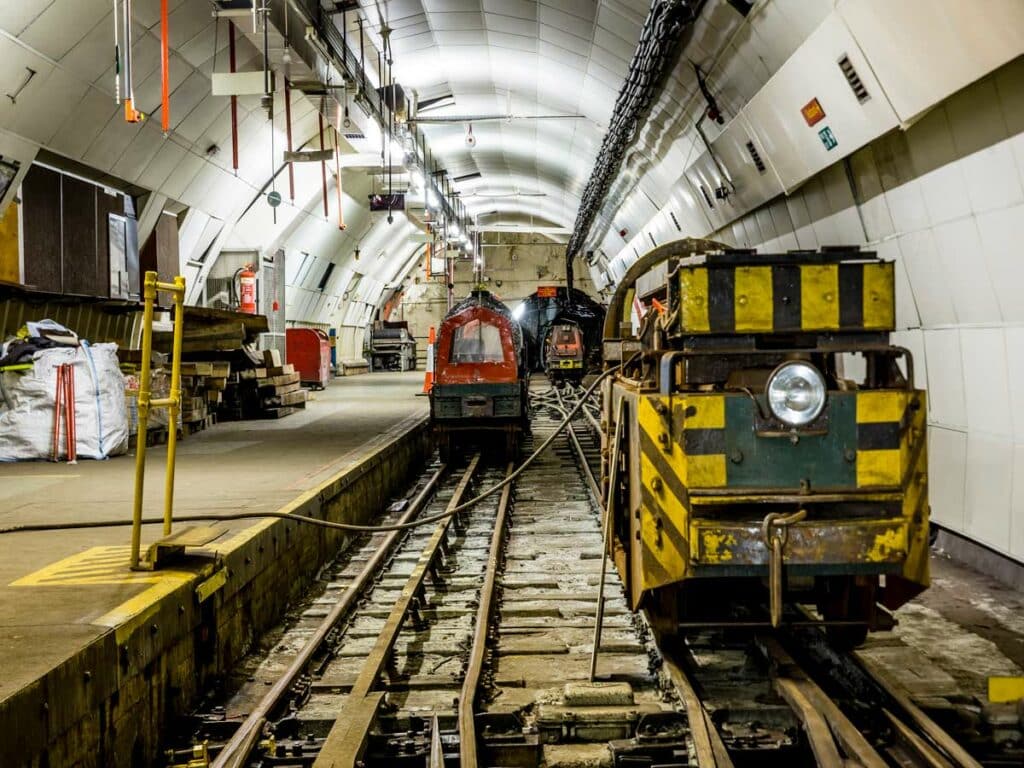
(796, 393)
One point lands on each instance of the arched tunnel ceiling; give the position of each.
(501, 57)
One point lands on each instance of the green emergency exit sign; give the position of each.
(827, 138)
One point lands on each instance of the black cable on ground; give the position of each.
(231, 516)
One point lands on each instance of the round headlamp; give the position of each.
(796, 393)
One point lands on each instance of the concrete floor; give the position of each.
(61, 590)
(966, 628)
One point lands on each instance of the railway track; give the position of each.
(469, 641)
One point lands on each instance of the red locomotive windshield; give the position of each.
(475, 345)
(566, 341)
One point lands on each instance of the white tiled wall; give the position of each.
(945, 201)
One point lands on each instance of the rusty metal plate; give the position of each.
(810, 543)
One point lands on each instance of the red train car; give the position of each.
(480, 381)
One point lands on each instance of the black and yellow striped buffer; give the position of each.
(786, 298)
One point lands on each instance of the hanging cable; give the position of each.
(655, 55)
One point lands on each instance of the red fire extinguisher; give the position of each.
(247, 290)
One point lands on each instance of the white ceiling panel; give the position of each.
(191, 123)
(511, 25)
(43, 108)
(91, 55)
(60, 27)
(147, 12)
(16, 17)
(84, 124)
(137, 154)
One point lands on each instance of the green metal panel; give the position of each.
(828, 461)
(448, 399)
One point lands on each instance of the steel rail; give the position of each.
(478, 652)
(707, 742)
(594, 423)
(814, 707)
(588, 473)
(917, 744)
(346, 740)
(920, 721)
(236, 752)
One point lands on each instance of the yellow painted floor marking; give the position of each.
(98, 565)
(136, 611)
(109, 565)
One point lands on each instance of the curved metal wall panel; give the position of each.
(923, 50)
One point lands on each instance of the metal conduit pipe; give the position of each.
(688, 246)
(655, 55)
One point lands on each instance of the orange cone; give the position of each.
(428, 378)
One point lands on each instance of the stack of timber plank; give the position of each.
(269, 391)
(202, 387)
(281, 393)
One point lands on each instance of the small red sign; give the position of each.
(812, 112)
(547, 292)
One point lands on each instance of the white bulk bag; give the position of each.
(27, 400)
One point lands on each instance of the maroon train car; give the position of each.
(309, 350)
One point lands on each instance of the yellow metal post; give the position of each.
(151, 288)
(148, 298)
(175, 405)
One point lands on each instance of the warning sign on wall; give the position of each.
(547, 291)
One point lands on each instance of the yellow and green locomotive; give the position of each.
(764, 440)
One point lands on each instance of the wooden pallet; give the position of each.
(297, 399)
(278, 413)
(191, 427)
(155, 436)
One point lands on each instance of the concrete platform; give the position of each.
(77, 627)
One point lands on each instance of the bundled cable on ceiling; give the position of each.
(655, 55)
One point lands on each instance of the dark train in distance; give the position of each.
(539, 313)
(480, 376)
(767, 443)
(565, 354)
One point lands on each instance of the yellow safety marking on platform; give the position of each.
(126, 618)
(1005, 689)
(97, 565)
(109, 565)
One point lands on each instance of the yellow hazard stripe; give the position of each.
(754, 308)
(694, 288)
(879, 296)
(878, 467)
(880, 406)
(705, 412)
(819, 296)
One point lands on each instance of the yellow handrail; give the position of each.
(151, 287)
